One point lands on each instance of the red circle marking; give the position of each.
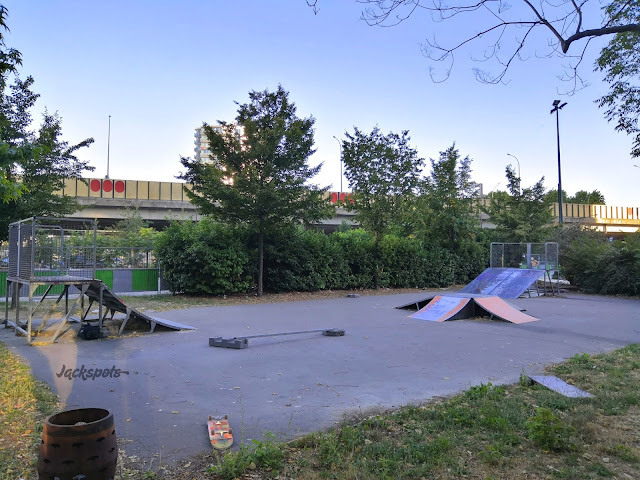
(95, 185)
(107, 185)
(342, 197)
(119, 186)
(334, 197)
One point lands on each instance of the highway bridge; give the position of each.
(109, 200)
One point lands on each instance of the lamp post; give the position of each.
(340, 144)
(108, 145)
(518, 169)
(556, 109)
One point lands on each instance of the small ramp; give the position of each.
(442, 308)
(501, 309)
(454, 307)
(98, 292)
(503, 282)
(560, 386)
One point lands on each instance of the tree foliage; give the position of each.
(620, 62)
(449, 217)
(384, 173)
(581, 196)
(33, 164)
(259, 178)
(520, 215)
(504, 30)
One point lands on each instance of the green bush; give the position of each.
(203, 258)
(596, 265)
(549, 431)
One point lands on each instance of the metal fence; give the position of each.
(542, 256)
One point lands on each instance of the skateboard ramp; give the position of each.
(444, 307)
(503, 282)
(499, 308)
(98, 292)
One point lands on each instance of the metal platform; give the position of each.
(95, 291)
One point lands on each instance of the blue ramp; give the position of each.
(503, 282)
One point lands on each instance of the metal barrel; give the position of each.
(78, 444)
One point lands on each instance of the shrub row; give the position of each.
(597, 265)
(212, 258)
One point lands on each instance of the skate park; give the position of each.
(290, 385)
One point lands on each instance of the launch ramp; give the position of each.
(98, 292)
(503, 282)
(445, 307)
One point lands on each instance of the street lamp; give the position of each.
(108, 145)
(340, 143)
(556, 109)
(519, 179)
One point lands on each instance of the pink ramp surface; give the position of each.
(441, 308)
(501, 309)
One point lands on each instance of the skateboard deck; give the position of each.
(220, 433)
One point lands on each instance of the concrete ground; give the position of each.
(298, 384)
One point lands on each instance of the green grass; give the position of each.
(24, 403)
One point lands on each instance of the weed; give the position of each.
(483, 390)
(549, 431)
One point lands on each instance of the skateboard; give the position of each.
(220, 433)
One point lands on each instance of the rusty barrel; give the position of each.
(78, 444)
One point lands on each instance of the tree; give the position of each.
(505, 32)
(620, 61)
(521, 215)
(384, 173)
(448, 215)
(33, 164)
(10, 59)
(581, 196)
(43, 163)
(259, 177)
(506, 29)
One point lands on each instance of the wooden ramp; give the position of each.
(450, 307)
(98, 292)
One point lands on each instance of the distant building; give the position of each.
(201, 143)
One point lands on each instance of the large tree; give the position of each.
(33, 164)
(10, 59)
(260, 173)
(449, 215)
(620, 62)
(384, 174)
(520, 215)
(505, 32)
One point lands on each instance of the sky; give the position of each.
(161, 68)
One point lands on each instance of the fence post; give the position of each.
(158, 279)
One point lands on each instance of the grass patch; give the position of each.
(24, 404)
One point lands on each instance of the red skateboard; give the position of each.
(220, 433)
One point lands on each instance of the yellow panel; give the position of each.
(165, 191)
(131, 189)
(176, 191)
(82, 189)
(70, 187)
(154, 190)
(143, 190)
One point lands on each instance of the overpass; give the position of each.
(108, 200)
